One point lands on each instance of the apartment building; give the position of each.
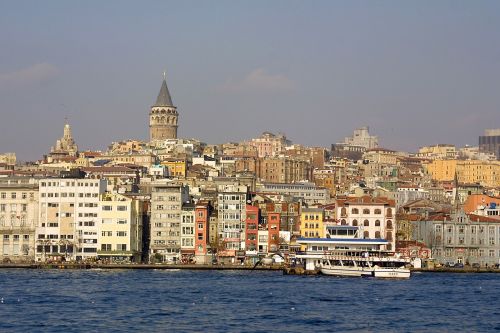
(18, 218)
(120, 237)
(167, 199)
(69, 218)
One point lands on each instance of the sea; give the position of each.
(244, 301)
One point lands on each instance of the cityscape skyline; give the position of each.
(417, 75)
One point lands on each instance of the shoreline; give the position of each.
(286, 270)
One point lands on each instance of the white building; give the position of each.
(375, 217)
(232, 215)
(69, 218)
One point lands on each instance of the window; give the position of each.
(389, 224)
(122, 221)
(378, 211)
(122, 208)
(355, 223)
(366, 211)
(366, 223)
(105, 247)
(355, 211)
(377, 223)
(200, 236)
(121, 233)
(107, 208)
(366, 234)
(377, 234)
(121, 247)
(13, 195)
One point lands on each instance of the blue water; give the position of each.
(222, 301)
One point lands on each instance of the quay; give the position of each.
(139, 266)
(286, 270)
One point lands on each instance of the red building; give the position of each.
(273, 229)
(202, 217)
(251, 228)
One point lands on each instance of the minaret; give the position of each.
(163, 116)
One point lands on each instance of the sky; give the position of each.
(416, 72)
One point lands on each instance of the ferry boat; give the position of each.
(344, 253)
(379, 265)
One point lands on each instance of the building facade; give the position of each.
(69, 218)
(165, 226)
(18, 218)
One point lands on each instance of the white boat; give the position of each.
(345, 267)
(361, 264)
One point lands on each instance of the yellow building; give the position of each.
(486, 173)
(120, 236)
(176, 167)
(311, 223)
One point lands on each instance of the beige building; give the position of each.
(440, 151)
(18, 218)
(69, 218)
(167, 199)
(120, 236)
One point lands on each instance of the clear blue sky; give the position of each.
(418, 73)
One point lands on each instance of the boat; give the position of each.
(364, 264)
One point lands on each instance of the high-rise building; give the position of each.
(490, 142)
(165, 228)
(163, 116)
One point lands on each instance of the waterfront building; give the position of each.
(121, 227)
(163, 116)
(490, 142)
(203, 210)
(167, 199)
(18, 218)
(251, 230)
(69, 218)
(231, 207)
(461, 238)
(188, 233)
(375, 217)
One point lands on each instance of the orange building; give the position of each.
(475, 200)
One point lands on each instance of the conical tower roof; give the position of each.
(164, 98)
